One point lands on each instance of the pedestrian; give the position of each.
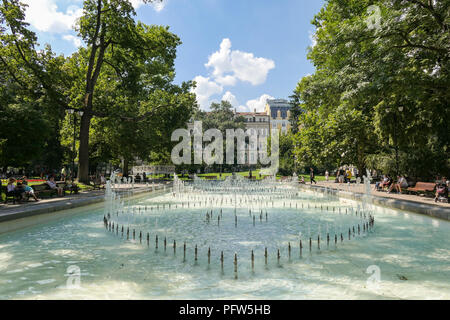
(63, 174)
(311, 175)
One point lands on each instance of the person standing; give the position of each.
(341, 175)
(63, 174)
(311, 176)
(327, 175)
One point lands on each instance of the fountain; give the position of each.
(238, 254)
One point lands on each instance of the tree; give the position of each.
(296, 112)
(29, 117)
(365, 76)
(288, 163)
(221, 117)
(112, 37)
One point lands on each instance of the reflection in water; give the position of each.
(411, 251)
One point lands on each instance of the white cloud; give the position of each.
(230, 66)
(44, 16)
(158, 5)
(259, 104)
(220, 60)
(231, 98)
(75, 40)
(242, 108)
(205, 89)
(312, 38)
(228, 81)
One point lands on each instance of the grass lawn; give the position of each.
(254, 173)
(83, 187)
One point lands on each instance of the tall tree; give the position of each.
(110, 30)
(112, 37)
(386, 77)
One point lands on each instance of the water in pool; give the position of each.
(401, 256)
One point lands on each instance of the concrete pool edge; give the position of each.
(69, 204)
(411, 206)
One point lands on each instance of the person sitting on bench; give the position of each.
(52, 184)
(401, 183)
(11, 189)
(72, 186)
(20, 191)
(29, 191)
(386, 182)
(441, 190)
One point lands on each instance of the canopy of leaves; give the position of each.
(122, 81)
(377, 90)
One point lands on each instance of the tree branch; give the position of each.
(430, 8)
(19, 82)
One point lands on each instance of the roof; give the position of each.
(252, 114)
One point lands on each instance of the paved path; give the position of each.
(361, 189)
(31, 208)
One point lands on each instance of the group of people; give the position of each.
(19, 189)
(388, 183)
(343, 175)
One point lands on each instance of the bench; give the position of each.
(44, 190)
(72, 188)
(211, 177)
(96, 184)
(422, 187)
(250, 178)
(13, 198)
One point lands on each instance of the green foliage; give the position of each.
(288, 164)
(378, 92)
(122, 81)
(220, 117)
(24, 133)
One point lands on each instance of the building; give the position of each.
(279, 111)
(256, 122)
(276, 115)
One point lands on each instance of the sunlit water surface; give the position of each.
(408, 253)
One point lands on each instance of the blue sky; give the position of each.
(242, 50)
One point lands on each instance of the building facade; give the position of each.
(256, 122)
(279, 111)
(276, 115)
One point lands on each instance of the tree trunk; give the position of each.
(125, 167)
(83, 164)
(361, 161)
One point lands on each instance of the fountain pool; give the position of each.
(401, 256)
